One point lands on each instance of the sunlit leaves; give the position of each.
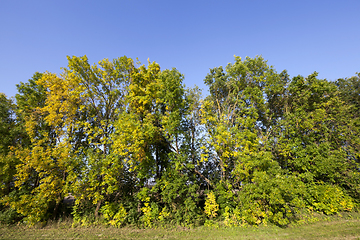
(149, 129)
(235, 113)
(133, 145)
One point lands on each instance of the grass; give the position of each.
(345, 227)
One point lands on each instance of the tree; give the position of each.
(80, 108)
(241, 116)
(95, 95)
(349, 92)
(149, 130)
(9, 133)
(314, 139)
(236, 115)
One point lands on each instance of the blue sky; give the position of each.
(193, 36)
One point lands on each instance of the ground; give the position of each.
(344, 227)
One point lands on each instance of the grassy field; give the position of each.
(346, 227)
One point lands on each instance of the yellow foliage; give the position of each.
(211, 207)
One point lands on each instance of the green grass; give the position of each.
(346, 227)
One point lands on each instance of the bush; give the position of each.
(9, 216)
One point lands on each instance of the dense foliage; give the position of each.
(129, 144)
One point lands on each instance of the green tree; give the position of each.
(315, 136)
(349, 92)
(237, 117)
(149, 130)
(82, 105)
(26, 177)
(9, 134)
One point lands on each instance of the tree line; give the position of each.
(134, 146)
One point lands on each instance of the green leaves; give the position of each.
(235, 114)
(149, 130)
(265, 127)
(132, 145)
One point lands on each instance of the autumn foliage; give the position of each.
(131, 145)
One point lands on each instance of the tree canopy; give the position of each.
(130, 144)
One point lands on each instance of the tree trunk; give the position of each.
(98, 205)
(56, 209)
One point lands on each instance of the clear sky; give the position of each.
(193, 36)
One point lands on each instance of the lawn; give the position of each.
(346, 227)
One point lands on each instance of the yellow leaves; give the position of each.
(331, 199)
(119, 217)
(166, 183)
(164, 214)
(204, 155)
(211, 206)
(207, 116)
(62, 99)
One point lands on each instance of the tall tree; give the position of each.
(315, 137)
(237, 116)
(80, 108)
(241, 115)
(9, 134)
(150, 128)
(99, 92)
